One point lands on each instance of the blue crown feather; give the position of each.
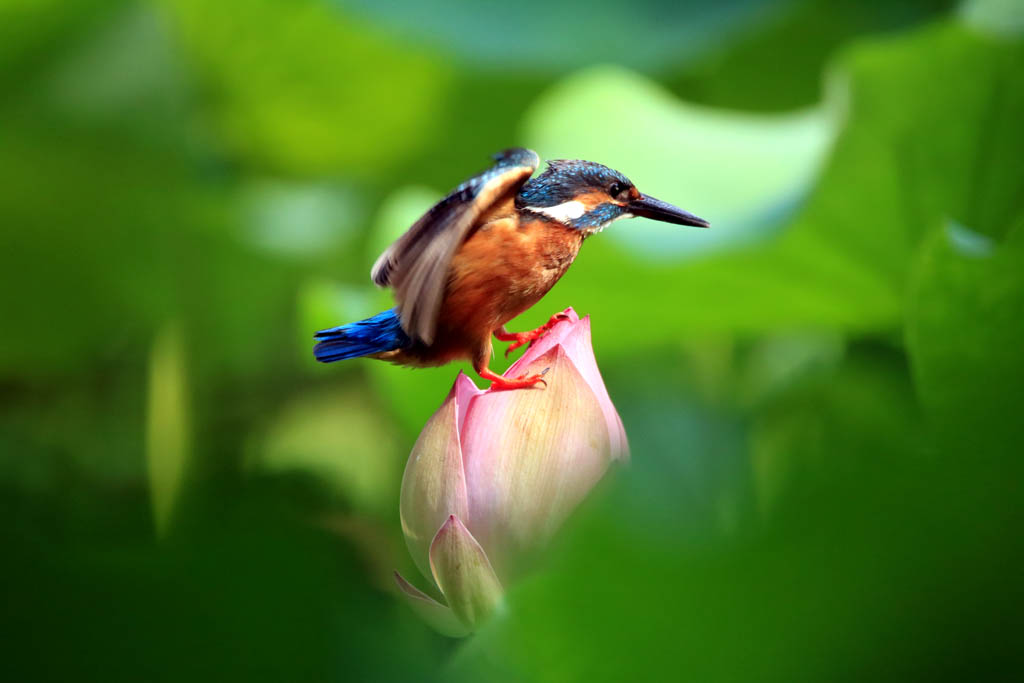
(564, 179)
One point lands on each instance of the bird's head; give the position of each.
(588, 196)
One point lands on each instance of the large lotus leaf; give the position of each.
(743, 172)
(931, 129)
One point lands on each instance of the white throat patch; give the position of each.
(563, 213)
(598, 228)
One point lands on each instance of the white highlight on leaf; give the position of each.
(563, 213)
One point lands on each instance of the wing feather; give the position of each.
(417, 264)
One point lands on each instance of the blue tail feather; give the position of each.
(382, 332)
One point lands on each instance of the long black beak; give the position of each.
(655, 209)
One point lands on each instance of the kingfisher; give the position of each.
(484, 254)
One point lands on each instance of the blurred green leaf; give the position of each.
(302, 88)
(341, 440)
(30, 29)
(915, 147)
(543, 36)
(777, 66)
(998, 17)
(168, 432)
(871, 576)
(743, 172)
(835, 422)
(776, 362)
(126, 76)
(98, 245)
(300, 220)
(100, 193)
(965, 334)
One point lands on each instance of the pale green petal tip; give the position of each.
(464, 574)
(434, 484)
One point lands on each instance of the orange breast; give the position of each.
(500, 271)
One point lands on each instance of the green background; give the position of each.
(823, 392)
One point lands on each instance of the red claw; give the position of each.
(522, 338)
(524, 382)
(498, 382)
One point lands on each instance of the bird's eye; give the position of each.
(616, 189)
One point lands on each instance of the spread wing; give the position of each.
(416, 265)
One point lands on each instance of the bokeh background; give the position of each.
(823, 392)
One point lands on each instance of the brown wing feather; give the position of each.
(417, 264)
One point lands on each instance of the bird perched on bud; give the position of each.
(484, 254)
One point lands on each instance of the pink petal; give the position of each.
(434, 483)
(577, 344)
(465, 391)
(464, 574)
(574, 337)
(531, 456)
(439, 616)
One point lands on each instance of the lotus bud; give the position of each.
(495, 473)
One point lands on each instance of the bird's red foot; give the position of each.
(520, 338)
(499, 383)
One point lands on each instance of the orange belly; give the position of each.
(502, 269)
